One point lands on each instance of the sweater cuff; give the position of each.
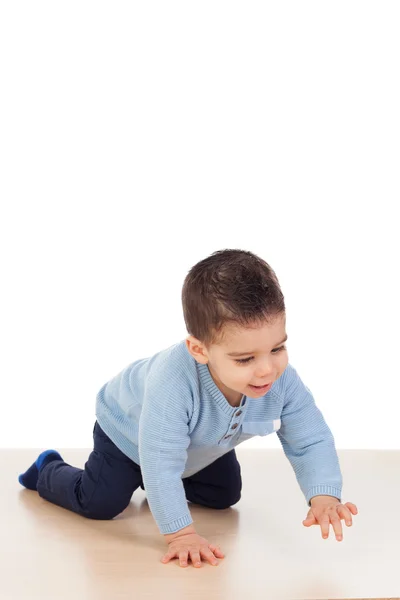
(323, 490)
(176, 525)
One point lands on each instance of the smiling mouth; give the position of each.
(260, 387)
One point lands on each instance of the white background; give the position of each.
(139, 137)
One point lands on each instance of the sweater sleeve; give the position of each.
(307, 441)
(163, 442)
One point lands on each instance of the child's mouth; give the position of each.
(263, 388)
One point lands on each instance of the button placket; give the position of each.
(234, 426)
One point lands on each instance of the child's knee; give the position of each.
(223, 503)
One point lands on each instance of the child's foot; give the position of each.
(30, 477)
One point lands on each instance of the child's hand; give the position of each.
(194, 545)
(325, 510)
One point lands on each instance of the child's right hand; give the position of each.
(195, 546)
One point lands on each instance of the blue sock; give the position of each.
(30, 477)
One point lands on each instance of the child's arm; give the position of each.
(309, 445)
(307, 441)
(163, 442)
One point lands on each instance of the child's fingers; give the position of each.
(208, 555)
(183, 558)
(345, 514)
(167, 557)
(337, 526)
(310, 520)
(217, 550)
(324, 523)
(352, 507)
(195, 556)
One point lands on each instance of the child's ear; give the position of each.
(196, 349)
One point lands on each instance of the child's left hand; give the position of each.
(326, 510)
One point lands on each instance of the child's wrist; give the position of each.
(169, 537)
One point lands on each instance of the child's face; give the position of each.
(264, 353)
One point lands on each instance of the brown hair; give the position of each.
(233, 287)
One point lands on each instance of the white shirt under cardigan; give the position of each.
(166, 413)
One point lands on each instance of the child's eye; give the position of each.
(243, 361)
(276, 350)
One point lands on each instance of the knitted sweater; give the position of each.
(166, 413)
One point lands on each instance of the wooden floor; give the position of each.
(48, 553)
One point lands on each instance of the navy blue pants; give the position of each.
(103, 489)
